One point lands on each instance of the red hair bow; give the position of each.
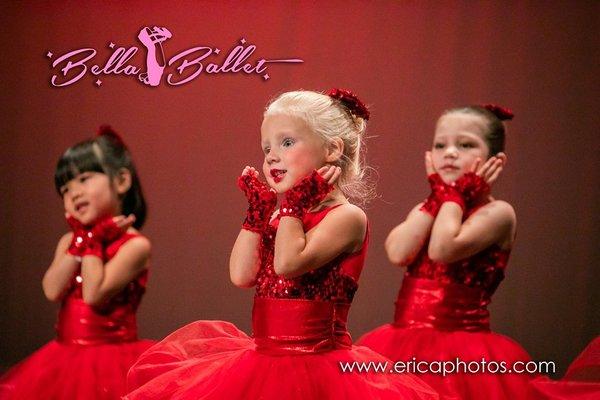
(500, 112)
(107, 130)
(351, 101)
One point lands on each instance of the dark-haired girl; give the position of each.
(98, 274)
(455, 246)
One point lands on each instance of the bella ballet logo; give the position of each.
(188, 64)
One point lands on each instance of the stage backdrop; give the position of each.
(408, 60)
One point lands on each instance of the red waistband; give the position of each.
(293, 326)
(79, 323)
(426, 303)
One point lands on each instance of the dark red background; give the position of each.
(408, 60)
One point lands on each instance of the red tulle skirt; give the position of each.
(581, 381)
(215, 360)
(428, 344)
(60, 371)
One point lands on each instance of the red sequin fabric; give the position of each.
(113, 321)
(440, 193)
(131, 295)
(305, 194)
(261, 202)
(351, 102)
(473, 188)
(483, 270)
(335, 281)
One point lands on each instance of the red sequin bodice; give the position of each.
(336, 281)
(114, 321)
(484, 270)
(130, 296)
(450, 296)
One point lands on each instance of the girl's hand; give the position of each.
(78, 240)
(475, 184)
(330, 173)
(73, 222)
(248, 170)
(309, 192)
(124, 222)
(491, 169)
(429, 164)
(440, 191)
(109, 229)
(253, 187)
(262, 200)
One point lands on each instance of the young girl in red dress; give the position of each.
(456, 246)
(304, 260)
(98, 274)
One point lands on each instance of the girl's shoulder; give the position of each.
(504, 215)
(349, 219)
(501, 208)
(135, 236)
(132, 241)
(66, 237)
(348, 211)
(64, 242)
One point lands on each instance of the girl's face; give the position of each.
(457, 143)
(90, 196)
(291, 150)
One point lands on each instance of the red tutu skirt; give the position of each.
(581, 381)
(425, 344)
(287, 359)
(435, 322)
(60, 371)
(89, 359)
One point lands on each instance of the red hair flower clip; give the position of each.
(500, 112)
(108, 131)
(351, 101)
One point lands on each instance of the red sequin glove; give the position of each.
(305, 194)
(93, 246)
(473, 188)
(78, 240)
(261, 202)
(440, 193)
(92, 241)
(106, 230)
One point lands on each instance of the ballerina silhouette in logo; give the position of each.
(155, 58)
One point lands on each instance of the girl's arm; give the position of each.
(244, 260)
(495, 223)
(58, 276)
(452, 240)
(102, 281)
(406, 240)
(341, 231)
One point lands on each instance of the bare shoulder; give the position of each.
(63, 242)
(507, 212)
(503, 215)
(417, 207)
(351, 222)
(66, 238)
(139, 244)
(501, 209)
(349, 213)
(416, 210)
